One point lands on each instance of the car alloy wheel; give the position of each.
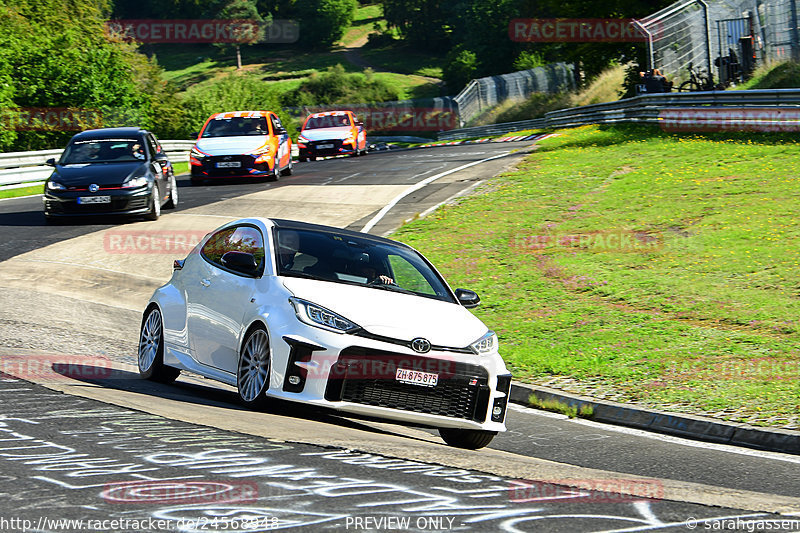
(151, 350)
(155, 204)
(252, 376)
(172, 203)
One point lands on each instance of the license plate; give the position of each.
(415, 377)
(323, 146)
(229, 164)
(94, 199)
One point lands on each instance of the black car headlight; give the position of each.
(55, 186)
(486, 344)
(134, 182)
(316, 315)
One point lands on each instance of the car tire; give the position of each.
(302, 159)
(151, 350)
(195, 182)
(312, 158)
(52, 221)
(155, 205)
(253, 370)
(172, 203)
(470, 439)
(276, 173)
(288, 170)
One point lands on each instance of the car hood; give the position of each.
(103, 174)
(323, 134)
(393, 314)
(232, 145)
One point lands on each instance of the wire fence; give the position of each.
(726, 38)
(485, 93)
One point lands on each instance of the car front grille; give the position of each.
(368, 377)
(246, 162)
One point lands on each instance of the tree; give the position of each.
(250, 29)
(423, 23)
(460, 67)
(323, 22)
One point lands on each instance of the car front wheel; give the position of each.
(151, 350)
(471, 439)
(155, 205)
(252, 375)
(172, 203)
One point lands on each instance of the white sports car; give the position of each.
(328, 317)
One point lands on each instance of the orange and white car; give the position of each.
(238, 144)
(332, 133)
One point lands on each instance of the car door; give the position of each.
(158, 170)
(218, 297)
(284, 152)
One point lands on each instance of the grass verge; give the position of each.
(22, 191)
(634, 265)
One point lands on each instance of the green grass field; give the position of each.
(634, 265)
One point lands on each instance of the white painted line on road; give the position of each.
(19, 197)
(382, 213)
(775, 456)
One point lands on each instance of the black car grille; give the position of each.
(368, 377)
(246, 162)
(337, 144)
(118, 203)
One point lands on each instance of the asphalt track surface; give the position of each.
(44, 315)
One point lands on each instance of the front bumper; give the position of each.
(123, 202)
(359, 375)
(210, 168)
(326, 148)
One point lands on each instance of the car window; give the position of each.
(236, 127)
(327, 121)
(235, 239)
(353, 260)
(103, 151)
(151, 143)
(276, 124)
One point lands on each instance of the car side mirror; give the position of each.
(242, 262)
(50, 162)
(299, 128)
(161, 158)
(468, 298)
(196, 134)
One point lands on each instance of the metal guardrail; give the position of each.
(28, 168)
(643, 108)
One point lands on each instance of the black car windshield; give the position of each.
(340, 258)
(327, 121)
(103, 151)
(236, 127)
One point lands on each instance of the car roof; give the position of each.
(298, 225)
(232, 114)
(330, 113)
(104, 133)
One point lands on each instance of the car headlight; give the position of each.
(194, 152)
(132, 183)
(316, 315)
(486, 344)
(349, 140)
(302, 139)
(55, 186)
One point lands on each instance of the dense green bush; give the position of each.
(234, 92)
(323, 22)
(460, 67)
(335, 86)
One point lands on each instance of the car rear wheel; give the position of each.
(252, 375)
(151, 350)
(172, 203)
(155, 205)
(471, 439)
(288, 169)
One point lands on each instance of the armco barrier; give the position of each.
(644, 108)
(28, 168)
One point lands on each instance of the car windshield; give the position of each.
(103, 151)
(346, 259)
(236, 127)
(327, 121)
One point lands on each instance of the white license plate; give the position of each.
(414, 377)
(323, 146)
(229, 164)
(94, 199)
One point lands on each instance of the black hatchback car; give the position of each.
(111, 171)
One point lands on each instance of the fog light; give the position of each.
(294, 380)
(497, 411)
